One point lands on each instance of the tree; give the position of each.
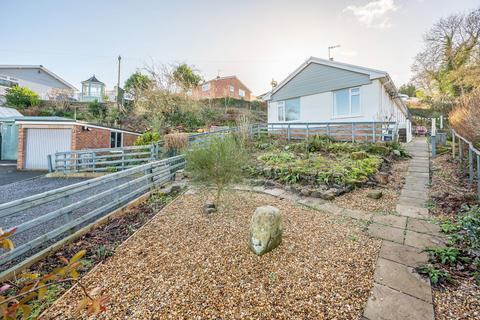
(137, 83)
(217, 163)
(448, 67)
(21, 98)
(185, 77)
(97, 110)
(408, 89)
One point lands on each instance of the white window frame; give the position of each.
(350, 114)
(281, 110)
(231, 88)
(206, 87)
(241, 93)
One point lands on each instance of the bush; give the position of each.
(468, 228)
(21, 98)
(147, 138)
(217, 163)
(175, 143)
(465, 117)
(97, 110)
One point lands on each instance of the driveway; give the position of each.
(9, 173)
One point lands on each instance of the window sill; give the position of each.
(348, 116)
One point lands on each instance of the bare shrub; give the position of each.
(176, 142)
(465, 117)
(243, 132)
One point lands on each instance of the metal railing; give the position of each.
(462, 143)
(343, 131)
(53, 215)
(118, 159)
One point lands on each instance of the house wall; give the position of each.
(219, 88)
(319, 107)
(33, 78)
(316, 78)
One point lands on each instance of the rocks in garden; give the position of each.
(397, 153)
(359, 155)
(176, 188)
(305, 192)
(264, 146)
(328, 194)
(265, 230)
(381, 178)
(179, 175)
(375, 194)
(209, 208)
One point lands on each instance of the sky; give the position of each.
(257, 40)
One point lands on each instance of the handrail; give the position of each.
(471, 150)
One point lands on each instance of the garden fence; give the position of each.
(472, 158)
(44, 219)
(342, 131)
(118, 159)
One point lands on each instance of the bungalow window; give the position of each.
(115, 139)
(346, 102)
(289, 110)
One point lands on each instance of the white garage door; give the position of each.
(42, 142)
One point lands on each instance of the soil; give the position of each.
(186, 264)
(459, 300)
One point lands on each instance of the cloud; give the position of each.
(374, 13)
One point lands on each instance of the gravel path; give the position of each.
(26, 188)
(188, 265)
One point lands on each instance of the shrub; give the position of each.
(217, 163)
(465, 117)
(175, 142)
(97, 110)
(468, 227)
(21, 98)
(147, 138)
(435, 275)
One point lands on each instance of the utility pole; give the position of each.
(118, 83)
(329, 51)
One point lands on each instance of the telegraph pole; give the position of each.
(118, 83)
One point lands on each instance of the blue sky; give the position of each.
(254, 39)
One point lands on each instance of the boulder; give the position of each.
(381, 178)
(397, 153)
(329, 194)
(305, 192)
(179, 175)
(209, 208)
(359, 155)
(375, 194)
(265, 230)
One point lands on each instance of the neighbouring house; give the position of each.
(8, 133)
(39, 137)
(331, 92)
(35, 77)
(222, 87)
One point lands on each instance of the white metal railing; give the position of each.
(462, 142)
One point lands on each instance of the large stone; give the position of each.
(381, 178)
(329, 194)
(265, 230)
(375, 194)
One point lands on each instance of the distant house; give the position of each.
(35, 77)
(329, 91)
(222, 87)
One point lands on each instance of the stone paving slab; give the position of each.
(311, 202)
(410, 201)
(330, 208)
(419, 186)
(412, 211)
(420, 169)
(357, 214)
(406, 255)
(391, 220)
(274, 192)
(388, 304)
(422, 240)
(424, 226)
(420, 192)
(412, 179)
(402, 278)
(387, 233)
(418, 174)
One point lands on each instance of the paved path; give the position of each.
(398, 291)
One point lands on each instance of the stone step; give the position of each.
(424, 226)
(419, 192)
(407, 255)
(422, 240)
(391, 220)
(387, 233)
(410, 201)
(402, 278)
(412, 211)
(421, 169)
(389, 304)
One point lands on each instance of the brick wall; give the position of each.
(21, 148)
(129, 139)
(92, 138)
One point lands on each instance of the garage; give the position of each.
(42, 142)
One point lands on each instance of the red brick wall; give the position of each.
(93, 138)
(21, 148)
(219, 88)
(129, 139)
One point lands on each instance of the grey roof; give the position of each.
(8, 66)
(9, 112)
(93, 79)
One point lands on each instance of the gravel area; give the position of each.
(187, 265)
(460, 302)
(357, 199)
